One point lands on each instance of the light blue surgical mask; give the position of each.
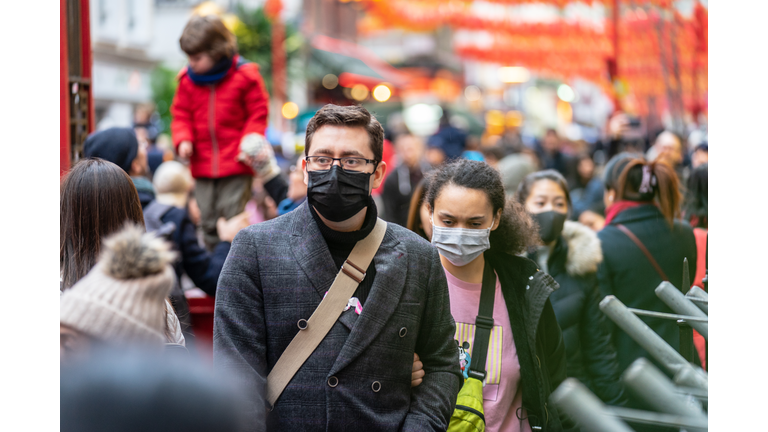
(461, 246)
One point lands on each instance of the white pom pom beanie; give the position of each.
(122, 299)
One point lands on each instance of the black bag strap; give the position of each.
(483, 324)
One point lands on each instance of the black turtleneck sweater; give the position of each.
(340, 244)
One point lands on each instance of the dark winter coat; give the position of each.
(541, 352)
(277, 272)
(590, 353)
(627, 274)
(200, 265)
(398, 190)
(216, 117)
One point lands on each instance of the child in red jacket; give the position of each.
(220, 103)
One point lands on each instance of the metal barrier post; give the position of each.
(686, 340)
(647, 382)
(678, 303)
(700, 298)
(585, 408)
(684, 372)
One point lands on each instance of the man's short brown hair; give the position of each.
(208, 34)
(350, 116)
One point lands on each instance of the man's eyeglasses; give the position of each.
(354, 164)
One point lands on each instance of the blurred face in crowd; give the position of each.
(140, 165)
(551, 143)
(586, 168)
(669, 149)
(699, 157)
(410, 149)
(342, 141)
(296, 187)
(545, 196)
(435, 156)
(201, 63)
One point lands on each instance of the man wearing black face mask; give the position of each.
(278, 272)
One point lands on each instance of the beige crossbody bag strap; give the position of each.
(319, 324)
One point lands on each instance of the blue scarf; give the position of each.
(214, 75)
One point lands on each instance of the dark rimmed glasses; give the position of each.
(352, 164)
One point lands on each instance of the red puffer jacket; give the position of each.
(215, 117)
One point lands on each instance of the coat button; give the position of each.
(376, 386)
(333, 381)
(403, 332)
(530, 278)
(303, 324)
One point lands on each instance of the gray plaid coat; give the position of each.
(277, 273)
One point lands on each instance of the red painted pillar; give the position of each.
(87, 58)
(64, 90)
(272, 9)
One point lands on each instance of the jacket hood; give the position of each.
(584, 251)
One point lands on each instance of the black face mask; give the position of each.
(337, 194)
(550, 225)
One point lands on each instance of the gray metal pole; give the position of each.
(678, 303)
(699, 293)
(686, 340)
(652, 342)
(585, 408)
(658, 419)
(650, 384)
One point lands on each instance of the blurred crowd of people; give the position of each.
(146, 223)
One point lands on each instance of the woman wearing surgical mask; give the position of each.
(474, 225)
(570, 253)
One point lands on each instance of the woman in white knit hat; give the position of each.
(97, 198)
(121, 301)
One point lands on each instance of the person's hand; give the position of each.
(618, 125)
(228, 229)
(417, 372)
(185, 149)
(592, 220)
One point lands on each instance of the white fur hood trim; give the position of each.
(584, 252)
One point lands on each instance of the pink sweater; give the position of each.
(502, 394)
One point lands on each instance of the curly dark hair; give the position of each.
(516, 229)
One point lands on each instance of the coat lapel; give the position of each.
(391, 268)
(311, 252)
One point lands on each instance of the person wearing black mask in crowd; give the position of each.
(279, 271)
(570, 253)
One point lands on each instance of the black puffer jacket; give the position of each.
(590, 354)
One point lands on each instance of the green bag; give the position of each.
(468, 416)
